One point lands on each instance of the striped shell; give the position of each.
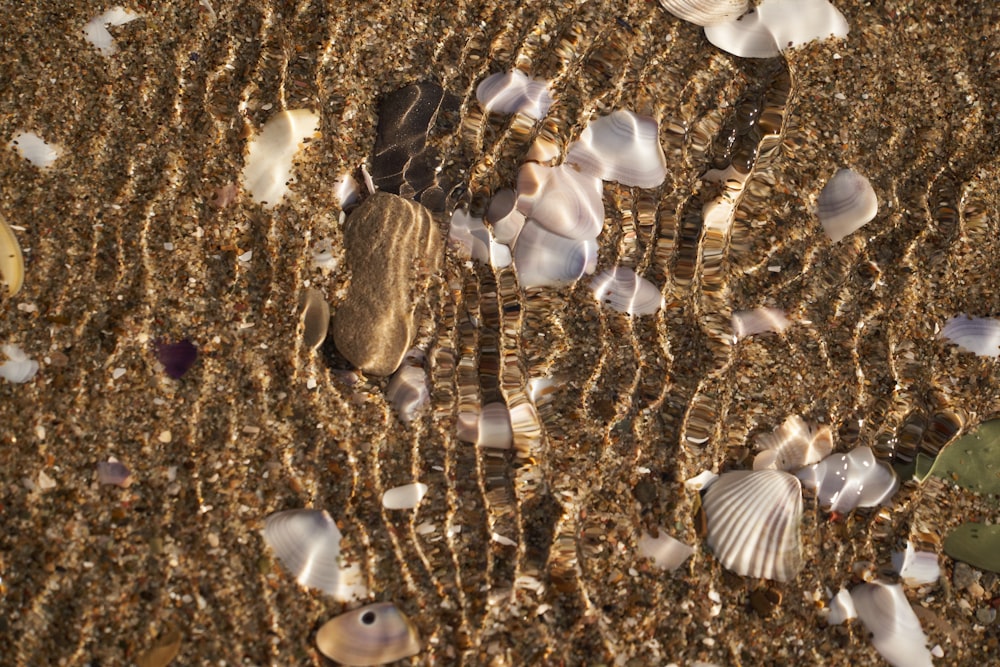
(371, 635)
(515, 92)
(561, 199)
(793, 445)
(623, 147)
(846, 203)
(845, 481)
(623, 291)
(705, 12)
(979, 335)
(753, 523)
(543, 258)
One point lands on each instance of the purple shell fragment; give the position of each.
(177, 358)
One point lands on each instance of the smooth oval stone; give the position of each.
(393, 248)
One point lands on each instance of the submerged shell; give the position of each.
(845, 481)
(490, 427)
(268, 169)
(916, 568)
(747, 37)
(470, 236)
(96, 31)
(753, 523)
(979, 335)
(623, 147)
(370, 635)
(705, 12)
(503, 215)
(561, 199)
(776, 25)
(515, 92)
(11, 259)
(846, 203)
(34, 149)
(757, 321)
(543, 258)
(895, 629)
(408, 391)
(622, 290)
(315, 318)
(792, 445)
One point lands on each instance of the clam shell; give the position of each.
(705, 12)
(916, 568)
(268, 168)
(623, 147)
(846, 203)
(979, 335)
(746, 37)
(792, 445)
(622, 290)
(315, 318)
(404, 497)
(370, 635)
(503, 215)
(895, 629)
(757, 321)
(11, 259)
(490, 427)
(542, 258)
(515, 92)
(34, 149)
(18, 368)
(776, 25)
(753, 523)
(845, 481)
(408, 392)
(561, 199)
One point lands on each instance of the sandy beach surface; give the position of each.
(140, 233)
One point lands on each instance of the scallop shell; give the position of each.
(315, 318)
(268, 168)
(34, 149)
(776, 25)
(705, 12)
(561, 199)
(408, 392)
(757, 321)
(18, 368)
(845, 481)
(542, 258)
(11, 259)
(895, 629)
(622, 290)
(503, 215)
(623, 147)
(846, 203)
(370, 635)
(490, 427)
(979, 335)
(515, 92)
(753, 523)
(792, 445)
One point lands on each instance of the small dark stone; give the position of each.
(177, 358)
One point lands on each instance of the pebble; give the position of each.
(965, 575)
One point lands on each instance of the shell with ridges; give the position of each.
(792, 445)
(705, 12)
(623, 147)
(370, 635)
(979, 335)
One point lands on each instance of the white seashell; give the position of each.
(503, 215)
(792, 445)
(18, 368)
(500, 255)
(346, 190)
(916, 568)
(666, 552)
(268, 168)
(408, 391)
(470, 236)
(745, 37)
(11, 259)
(561, 199)
(776, 25)
(753, 523)
(404, 497)
(491, 427)
(34, 149)
(757, 321)
(705, 12)
(515, 92)
(315, 318)
(841, 608)
(542, 258)
(895, 629)
(307, 542)
(96, 31)
(979, 335)
(701, 481)
(846, 203)
(622, 290)
(371, 635)
(623, 147)
(845, 481)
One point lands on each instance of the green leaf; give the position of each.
(972, 461)
(977, 544)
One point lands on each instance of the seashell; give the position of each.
(34, 149)
(841, 608)
(846, 203)
(470, 236)
(370, 635)
(268, 169)
(753, 523)
(701, 481)
(895, 629)
(315, 318)
(746, 37)
(792, 445)
(346, 190)
(503, 215)
(491, 427)
(622, 290)
(408, 392)
(561, 199)
(623, 147)
(705, 12)
(96, 30)
(757, 321)
(916, 568)
(114, 472)
(307, 542)
(18, 368)
(777, 25)
(515, 92)
(845, 481)
(404, 497)
(11, 259)
(979, 335)
(666, 552)
(542, 258)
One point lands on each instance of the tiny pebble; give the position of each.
(165, 437)
(117, 373)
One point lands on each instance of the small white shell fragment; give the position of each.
(705, 12)
(561, 199)
(34, 149)
(753, 523)
(96, 30)
(776, 25)
(846, 203)
(701, 481)
(916, 568)
(757, 321)
(665, 551)
(268, 169)
(841, 608)
(315, 318)
(404, 497)
(11, 259)
(18, 368)
(792, 445)
(371, 635)
(346, 190)
(623, 147)
(843, 482)
(545, 259)
(491, 427)
(500, 539)
(979, 335)
(514, 92)
(895, 629)
(470, 236)
(624, 291)
(408, 391)
(503, 215)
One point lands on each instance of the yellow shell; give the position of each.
(369, 635)
(11, 260)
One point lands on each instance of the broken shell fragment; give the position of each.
(792, 445)
(34, 149)
(846, 203)
(370, 635)
(315, 318)
(753, 523)
(757, 321)
(776, 25)
(268, 169)
(895, 629)
(491, 427)
(623, 147)
(705, 12)
(114, 472)
(561, 199)
(503, 215)
(408, 392)
(916, 568)
(11, 259)
(18, 368)
(624, 291)
(545, 259)
(514, 92)
(843, 482)
(841, 608)
(404, 497)
(979, 335)
(96, 31)
(665, 551)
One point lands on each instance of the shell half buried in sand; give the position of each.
(624, 291)
(846, 203)
(371, 635)
(792, 445)
(979, 335)
(268, 169)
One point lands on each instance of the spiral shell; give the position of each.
(846, 203)
(370, 635)
(979, 335)
(705, 12)
(623, 147)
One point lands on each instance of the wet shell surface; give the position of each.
(268, 169)
(758, 321)
(470, 236)
(96, 31)
(515, 92)
(408, 392)
(705, 12)
(916, 568)
(623, 147)
(490, 427)
(979, 335)
(404, 497)
(895, 629)
(34, 149)
(843, 482)
(561, 199)
(776, 25)
(841, 608)
(622, 290)
(846, 203)
(503, 215)
(371, 635)
(792, 445)
(545, 259)
(11, 259)
(753, 523)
